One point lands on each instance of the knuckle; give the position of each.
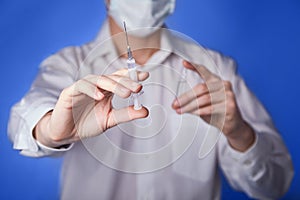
(198, 102)
(215, 97)
(227, 84)
(215, 78)
(197, 112)
(207, 98)
(101, 78)
(76, 86)
(202, 87)
(64, 92)
(115, 86)
(105, 79)
(231, 105)
(206, 111)
(209, 110)
(119, 79)
(229, 116)
(230, 95)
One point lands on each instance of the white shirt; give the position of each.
(158, 157)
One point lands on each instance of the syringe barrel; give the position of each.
(133, 76)
(131, 63)
(136, 102)
(132, 69)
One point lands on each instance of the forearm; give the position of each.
(245, 138)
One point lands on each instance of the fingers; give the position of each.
(84, 86)
(107, 83)
(190, 95)
(194, 104)
(197, 91)
(202, 101)
(120, 84)
(126, 82)
(211, 109)
(125, 115)
(96, 87)
(201, 70)
(124, 72)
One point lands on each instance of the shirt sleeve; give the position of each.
(265, 170)
(55, 73)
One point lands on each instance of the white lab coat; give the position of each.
(95, 169)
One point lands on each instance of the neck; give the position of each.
(142, 48)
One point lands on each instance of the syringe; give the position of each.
(132, 72)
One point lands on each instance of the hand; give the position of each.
(85, 109)
(214, 101)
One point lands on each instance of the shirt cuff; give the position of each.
(49, 150)
(252, 162)
(24, 140)
(256, 153)
(28, 144)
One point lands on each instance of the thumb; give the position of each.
(125, 115)
(200, 69)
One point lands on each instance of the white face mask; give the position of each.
(145, 15)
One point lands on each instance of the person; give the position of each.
(78, 107)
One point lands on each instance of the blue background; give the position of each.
(263, 36)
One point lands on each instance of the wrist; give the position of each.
(243, 138)
(42, 133)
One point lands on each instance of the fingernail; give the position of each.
(144, 73)
(135, 86)
(175, 103)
